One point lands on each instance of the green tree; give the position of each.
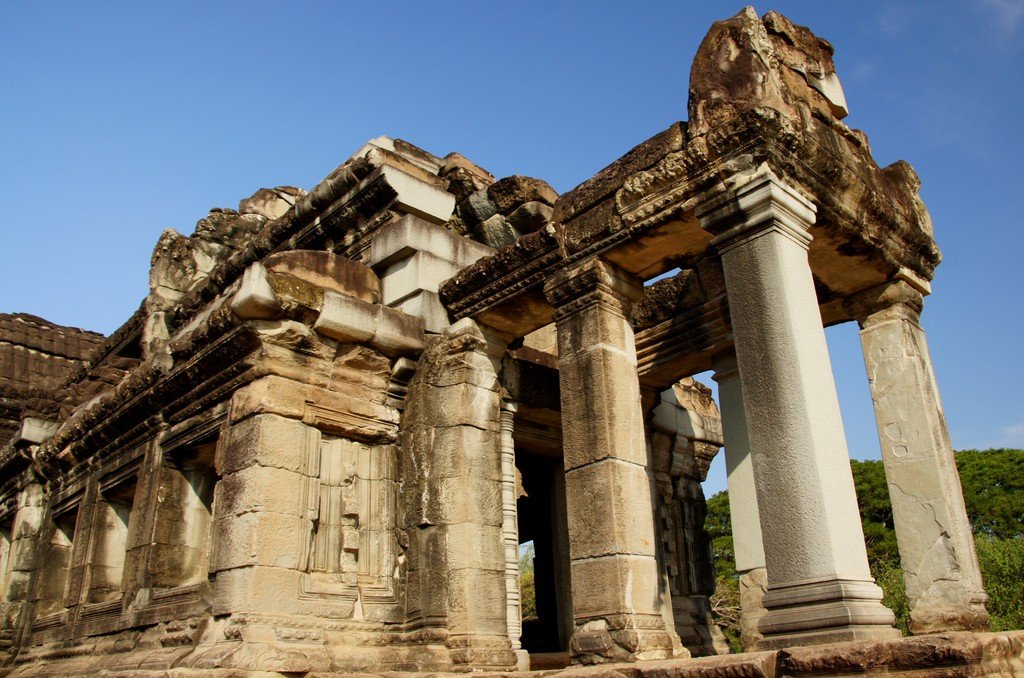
(993, 482)
(875, 511)
(718, 525)
(1002, 570)
(725, 602)
(527, 590)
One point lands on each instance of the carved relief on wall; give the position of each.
(351, 498)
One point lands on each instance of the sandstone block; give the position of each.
(267, 589)
(605, 427)
(270, 539)
(449, 501)
(338, 413)
(410, 234)
(611, 524)
(459, 405)
(615, 585)
(495, 232)
(255, 297)
(478, 547)
(427, 307)
(324, 270)
(34, 431)
(465, 450)
(476, 602)
(513, 191)
(476, 208)
(530, 217)
(421, 271)
(415, 196)
(265, 439)
(352, 320)
(271, 203)
(260, 488)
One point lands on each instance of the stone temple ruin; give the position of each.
(319, 442)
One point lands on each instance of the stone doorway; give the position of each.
(542, 521)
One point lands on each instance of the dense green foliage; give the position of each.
(993, 486)
(993, 482)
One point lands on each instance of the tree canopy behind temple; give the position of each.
(993, 486)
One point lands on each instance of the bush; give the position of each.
(1002, 570)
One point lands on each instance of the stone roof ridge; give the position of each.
(34, 332)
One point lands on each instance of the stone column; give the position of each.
(453, 477)
(819, 587)
(615, 574)
(940, 565)
(510, 533)
(746, 522)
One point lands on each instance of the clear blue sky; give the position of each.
(121, 119)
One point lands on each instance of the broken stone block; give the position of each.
(530, 216)
(495, 232)
(510, 192)
(271, 203)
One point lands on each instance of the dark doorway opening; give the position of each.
(542, 521)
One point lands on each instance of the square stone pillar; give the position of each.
(615, 575)
(453, 479)
(23, 566)
(940, 565)
(746, 521)
(819, 587)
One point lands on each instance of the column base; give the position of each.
(832, 611)
(479, 653)
(624, 638)
(753, 586)
(970, 617)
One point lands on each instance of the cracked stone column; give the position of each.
(819, 587)
(615, 574)
(940, 565)
(746, 522)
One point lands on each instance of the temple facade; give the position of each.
(319, 443)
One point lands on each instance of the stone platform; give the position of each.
(948, 655)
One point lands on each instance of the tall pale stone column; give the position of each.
(615, 574)
(940, 565)
(746, 521)
(819, 587)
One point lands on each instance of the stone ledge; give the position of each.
(946, 655)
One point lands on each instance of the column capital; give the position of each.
(725, 366)
(894, 300)
(590, 282)
(750, 205)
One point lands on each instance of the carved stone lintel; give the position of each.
(591, 282)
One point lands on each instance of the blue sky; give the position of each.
(121, 119)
